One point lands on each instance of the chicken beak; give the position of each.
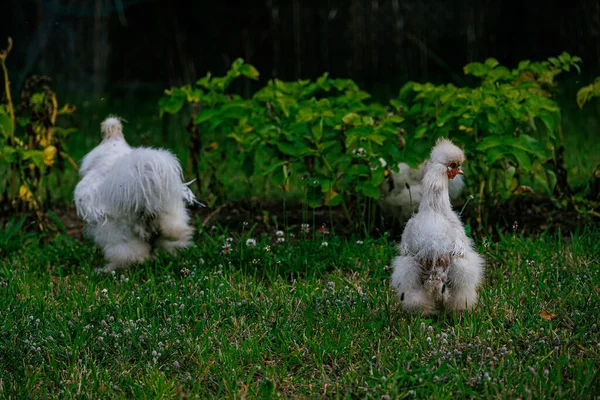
(459, 171)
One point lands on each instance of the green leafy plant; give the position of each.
(508, 123)
(31, 143)
(329, 138)
(586, 93)
(322, 133)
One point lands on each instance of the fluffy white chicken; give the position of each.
(402, 199)
(437, 268)
(133, 200)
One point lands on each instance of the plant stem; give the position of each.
(11, 111)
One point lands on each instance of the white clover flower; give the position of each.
(305, 228)
(251, 242)
(359, 242)
(279, 233)
(267, 248)
(280, 240)
(324, 244)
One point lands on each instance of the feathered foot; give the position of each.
(464, 277)
(122, 255)
(175, 232)
(406, 281)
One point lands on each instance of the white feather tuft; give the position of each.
(111, 127)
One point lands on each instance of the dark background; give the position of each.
(95, 46)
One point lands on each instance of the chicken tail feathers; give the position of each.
(111, 127)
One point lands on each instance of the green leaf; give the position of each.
(205, 115)
(369, 190)
(317, 130)
(5, 124)
(498, 74)
(36, 156)
(334, 200)
(377, 176)
(523, 65)
(297, 150)
(204, 81)
(522, 158)
(356, 170)
(351, 119)
(476, 69)
(420, 132)
(249, 71)
(491, 62)
(172, 103)
(508, 177)
(496, 153)
(8, 154)
(235, 67)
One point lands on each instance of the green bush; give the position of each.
(330, 134)
(509, 123)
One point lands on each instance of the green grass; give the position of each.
(301, 319)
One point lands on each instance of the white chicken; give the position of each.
(133, 200)
(402, 198)
(437, 268)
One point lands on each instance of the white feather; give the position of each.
(133, 200)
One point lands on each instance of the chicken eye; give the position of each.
(453, 165)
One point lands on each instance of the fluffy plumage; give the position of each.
(132, 199)
(437, 268)
(405, 195)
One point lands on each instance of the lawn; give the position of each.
(300, 314)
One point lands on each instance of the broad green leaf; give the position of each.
(205, 114)
(496, 153)
(420, 132)
(369, 190)
(249, 71)
(317, 130)
(508, 177)
(356, 170)
(491, 62)
(476, 69)
(522, 158)
(498, 74)
(36, 156)
(172, 103)
(377, 176)
(8, 154)
(296, 150)
(333, 198)
(5, 124)
(351, 119)
(523, 65)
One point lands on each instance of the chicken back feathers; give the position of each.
(132, 199)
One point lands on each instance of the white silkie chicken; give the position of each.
(437, 268)
(133, 200)
(402, 199)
